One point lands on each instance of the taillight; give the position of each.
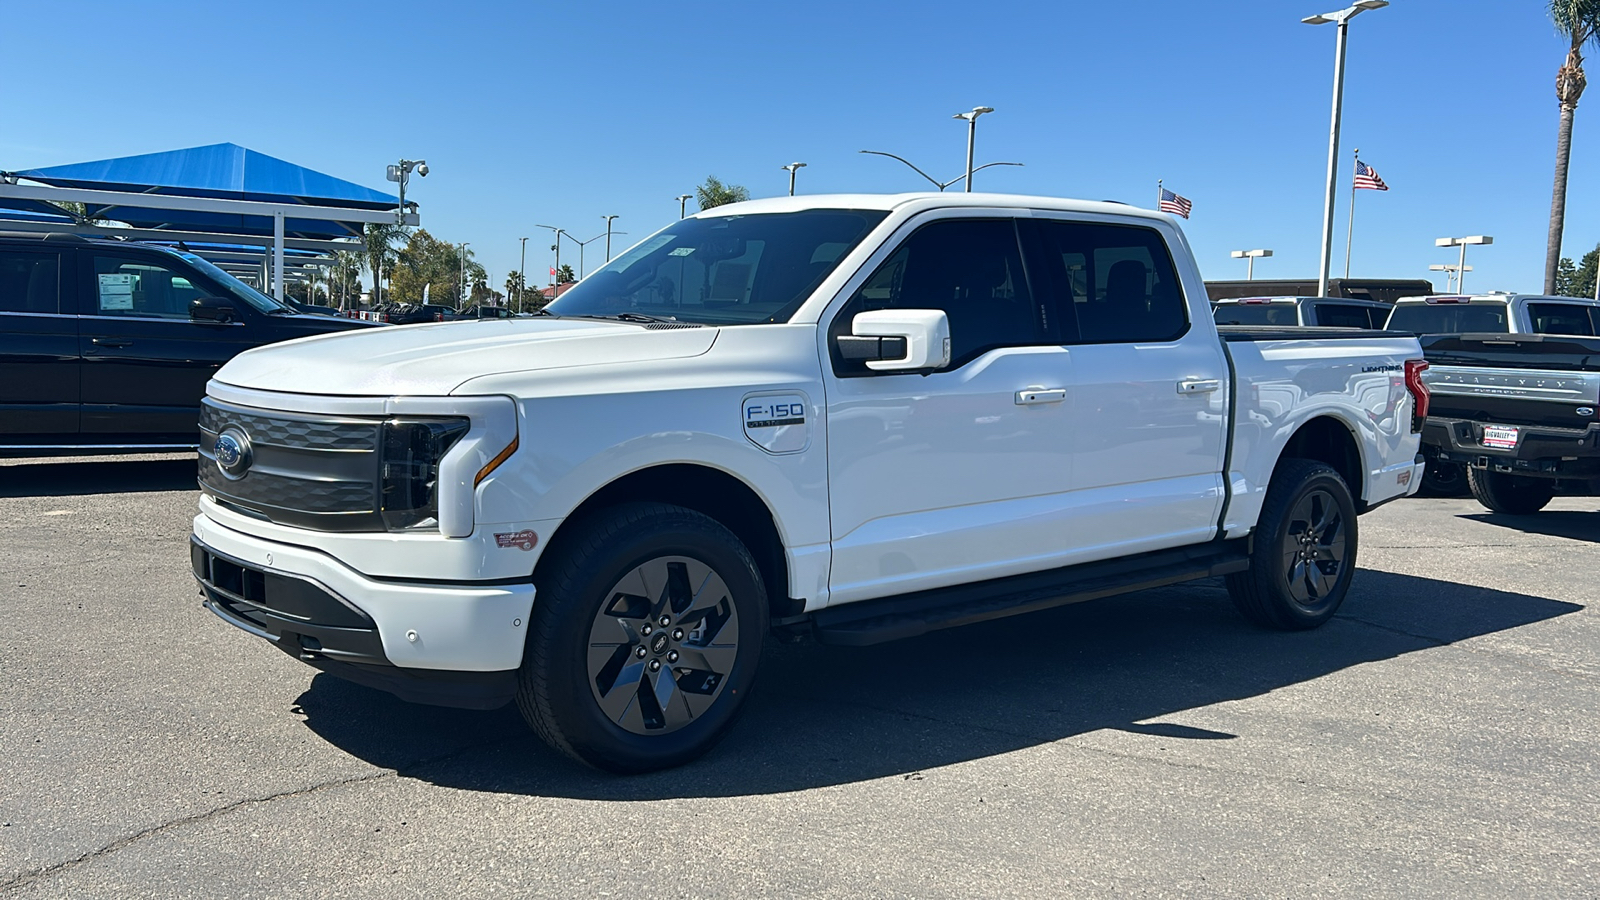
(1419, 392)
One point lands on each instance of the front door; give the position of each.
(1149, 378)
(958, 475)
(145, 362)
(38, 348)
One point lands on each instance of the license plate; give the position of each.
(1500, 437)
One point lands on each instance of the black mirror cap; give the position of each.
(211, 309)
(871, 348)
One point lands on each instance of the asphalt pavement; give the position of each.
(1437, 739)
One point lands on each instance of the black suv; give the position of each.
(107, 345)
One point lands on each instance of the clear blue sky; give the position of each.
(559, 113)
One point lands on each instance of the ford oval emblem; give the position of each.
(233, 453)
(1585, 410)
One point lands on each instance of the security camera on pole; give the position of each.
(401, 175)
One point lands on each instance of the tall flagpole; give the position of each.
(1158, 198)
(1349, 231)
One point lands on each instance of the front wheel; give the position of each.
(1304, 553)
(644, 640)
(1503, 492)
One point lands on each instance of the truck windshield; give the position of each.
(723, 270)
(245, 292)
(1256, 314)
(1453, 318)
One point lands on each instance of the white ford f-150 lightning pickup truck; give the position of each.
(851, 417)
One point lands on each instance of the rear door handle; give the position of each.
(1041, 395)
(110, 342)
(1200, 386)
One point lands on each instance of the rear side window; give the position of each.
(1343, 315)
(1454, 318)
(29, 281)
(1562, 318)
(1116, 283)
(1256, 314)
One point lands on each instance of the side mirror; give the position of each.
(211, 309)
(899, 340)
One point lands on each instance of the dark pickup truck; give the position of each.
(1519, 411)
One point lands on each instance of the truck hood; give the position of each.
(435, 359)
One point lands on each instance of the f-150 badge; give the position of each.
(777, 423)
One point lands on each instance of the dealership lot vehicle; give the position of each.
(859, 418)
(109, 344)
(1502, 313)
(1301, 311)
(1519, 411)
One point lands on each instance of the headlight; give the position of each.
(409, 469)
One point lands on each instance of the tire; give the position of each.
(1444, 479)
(1304, 552)
(1516, 495)
(602, 679)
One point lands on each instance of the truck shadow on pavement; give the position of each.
(825, 716)
(78, 478)
(1578, 525)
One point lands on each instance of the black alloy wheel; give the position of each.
(1304, 551)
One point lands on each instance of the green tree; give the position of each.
(426, 260)
(1578, 280)
(379, 240)
(345, 277)
(1579, 22)
(714, 193)
(515, 287)
(564, 275)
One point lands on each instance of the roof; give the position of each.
(226, 171)
(929, 199)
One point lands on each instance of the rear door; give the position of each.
(1148, 389)
(38, 345)
(145, 362)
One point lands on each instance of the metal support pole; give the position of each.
(522, 273)
(1350, 230)
(277, 254)
(1461, 270)
(1333, 159)
(1249, 268)
(972, 137)
(608, 231)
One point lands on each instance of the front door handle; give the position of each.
(1199, 386)
(1041, 395)
(110, 342)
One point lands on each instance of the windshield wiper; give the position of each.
(629, 317)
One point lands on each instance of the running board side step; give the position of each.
(908, 615)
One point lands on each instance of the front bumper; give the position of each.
(1541, 450)
(450, 644)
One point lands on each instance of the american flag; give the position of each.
(1173, 203)
(1367, 177)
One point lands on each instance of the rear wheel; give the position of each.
(1304, 552)
(645, 636)
(1444, 479)
(1503, 492)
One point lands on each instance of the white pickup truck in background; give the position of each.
(1495, 313)
(853, 417)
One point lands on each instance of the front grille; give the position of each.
(317, 472)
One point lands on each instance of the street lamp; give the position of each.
(682, 200)
(608, 235)
(522, 273)
(1449, 273)
(401, 175)
(1342, 18)
(941, 185)
(791, 168)
(556, 247)
(972, 135)
(1250, 257)
(1462, 242)
(461, 294)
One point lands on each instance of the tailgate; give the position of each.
(1535, 380)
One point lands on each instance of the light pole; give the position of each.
(1342, 18)
(683, 200)
(1449, 273)
(556, 247)
(401, 175)
(1462, 242)
(972, 136)
(522, 273)
(941, 185)
(1250, 257)
(461, 295)
(608, 235)
(791, 168)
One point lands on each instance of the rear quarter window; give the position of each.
(1256, 314)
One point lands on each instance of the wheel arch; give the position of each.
(712, 492)
(1330, 440)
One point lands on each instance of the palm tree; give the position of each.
(715, 193)
(380, 239)
(1579, 21)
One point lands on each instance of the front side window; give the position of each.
(239, 289)
(140, 287)
(1116, 282)
(723, 270)
(969, 268)
(28, 282)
